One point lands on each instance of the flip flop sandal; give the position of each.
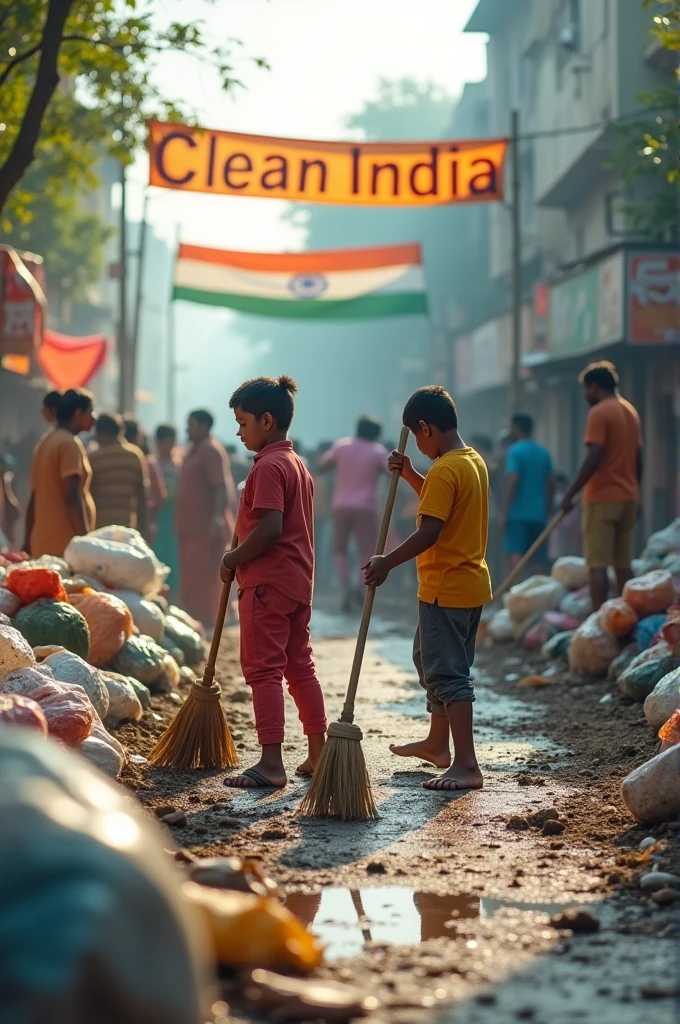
(261, 782)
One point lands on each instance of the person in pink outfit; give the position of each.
(359, 463)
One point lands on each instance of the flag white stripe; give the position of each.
(339, 284)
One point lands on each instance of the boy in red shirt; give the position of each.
(274, 565)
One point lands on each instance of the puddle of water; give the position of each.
(345, 920)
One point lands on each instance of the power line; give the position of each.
(578, 129)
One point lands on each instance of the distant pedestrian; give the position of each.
(323, 524)
(359, 463)
(48, 410)
(120, 481)
(61, 506)
(204, 517)
(156, 490)
(610, 478)
(528, 494)
(165, 538)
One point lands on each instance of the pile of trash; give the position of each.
(86, 639)
(633, 640)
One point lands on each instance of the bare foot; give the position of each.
(439, 758)
(456, 778)
(315, 744)
(258, 777)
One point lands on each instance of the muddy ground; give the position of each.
(441, 909)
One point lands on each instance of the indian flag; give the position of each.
(337, 284)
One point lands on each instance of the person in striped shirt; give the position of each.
(120, 479)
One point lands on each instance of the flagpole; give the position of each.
(171, 351)
(139, 296)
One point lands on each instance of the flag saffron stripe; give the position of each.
(307, 262)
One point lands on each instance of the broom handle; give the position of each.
(526, 558)
(209, 671)
(350, 697)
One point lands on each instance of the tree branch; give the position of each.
(46, 81)
(19, 59)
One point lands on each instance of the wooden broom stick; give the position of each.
(526, 558)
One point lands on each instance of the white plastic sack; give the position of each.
(124, 704)
(15, 651)
(652, 792)
(591, 649)
(102, 755)
(664, 542)
(133, 539)
(69, 668)
(147, 616)
(119, 566)
(537, 594)
(663, 700)
(501, 626)
(577, 604)
(9, 602)
(571, 571)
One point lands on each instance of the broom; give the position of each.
(340, 786)
(199, 735)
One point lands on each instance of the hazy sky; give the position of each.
(326, 57)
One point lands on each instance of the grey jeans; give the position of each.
(443, 653)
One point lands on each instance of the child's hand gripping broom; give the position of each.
(199, 735)
(340, 786)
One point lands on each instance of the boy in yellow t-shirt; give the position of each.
(449, 546)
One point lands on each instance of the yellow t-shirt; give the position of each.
(57, 456)
(453, 571)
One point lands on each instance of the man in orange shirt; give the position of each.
(610, 478)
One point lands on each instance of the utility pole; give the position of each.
(171, 355)
(123, 353)
(515, 379)
(139, 297)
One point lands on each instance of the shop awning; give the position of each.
(71, 362)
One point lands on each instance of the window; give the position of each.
(568, 26)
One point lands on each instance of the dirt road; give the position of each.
(441, 909)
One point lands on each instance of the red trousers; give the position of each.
(363, 524)
(275, 645)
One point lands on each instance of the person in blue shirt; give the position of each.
(528, 495)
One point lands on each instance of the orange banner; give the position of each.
(356, 173)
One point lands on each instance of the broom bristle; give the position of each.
(199, 735)
(340, 786)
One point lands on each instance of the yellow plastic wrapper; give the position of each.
(254, 931)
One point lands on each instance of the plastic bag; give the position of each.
(664, 541)
(69, 668)
(669, 733)
(501, 626)
(141, 658)
(119, 566)
(147, 616)
(253, 931)
(537, 594)
(652, 792)
(69, 714)
(124, 704)
(651, 593)
(557, 646)
(133, 539)
(563, 622)
(110, 624)
(539, 634)
(571, 571)
(638, 681)
(617, 617)
(45, 622)
(591, 649)
(577, 604)
(622, 661)
(9, 602)
(90, 899)
(21, 711)
(664, 699)
(15, 651)
(31, 583)
(647, 629)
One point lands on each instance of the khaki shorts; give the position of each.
(608, 530)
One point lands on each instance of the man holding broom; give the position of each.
(449, 546)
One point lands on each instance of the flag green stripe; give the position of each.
(386, 304)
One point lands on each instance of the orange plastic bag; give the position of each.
(650, 594)
(32, 583)
(617, 617)
(669, 733)
(110, 624)
(253, 931)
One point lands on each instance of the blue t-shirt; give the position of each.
(533, 465)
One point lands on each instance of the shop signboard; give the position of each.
(573, 314)
(610, 307)
(653, 298)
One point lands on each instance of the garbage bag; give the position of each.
(537, 594)
(92, 923)
(654, 592)
(591, 650)
(133, 539)
(110, 624)
(147, 616)
(664, 542)
(639, 680)
(617, 617)
(571, 571)
(539, 634)
(669, 733)
(577, 604)
(15, 651)
(652, 792)
(558, 645)
(501, 627)
(647, 629)
(622, 661)
(119, 566)
(664, 699)
(16, 710)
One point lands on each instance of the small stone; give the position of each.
(525, 1013)
(177, 818)
(663, 896)
(230, 823)
(553, 828)
(164, 810)
(576, 920)
(516, 823)
(660, 991)
(272, 834)
(375, 867)
(539, 818)
(654, 880)
(486, 998)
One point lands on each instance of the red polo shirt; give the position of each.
(280, 481)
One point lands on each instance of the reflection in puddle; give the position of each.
(345, 920)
